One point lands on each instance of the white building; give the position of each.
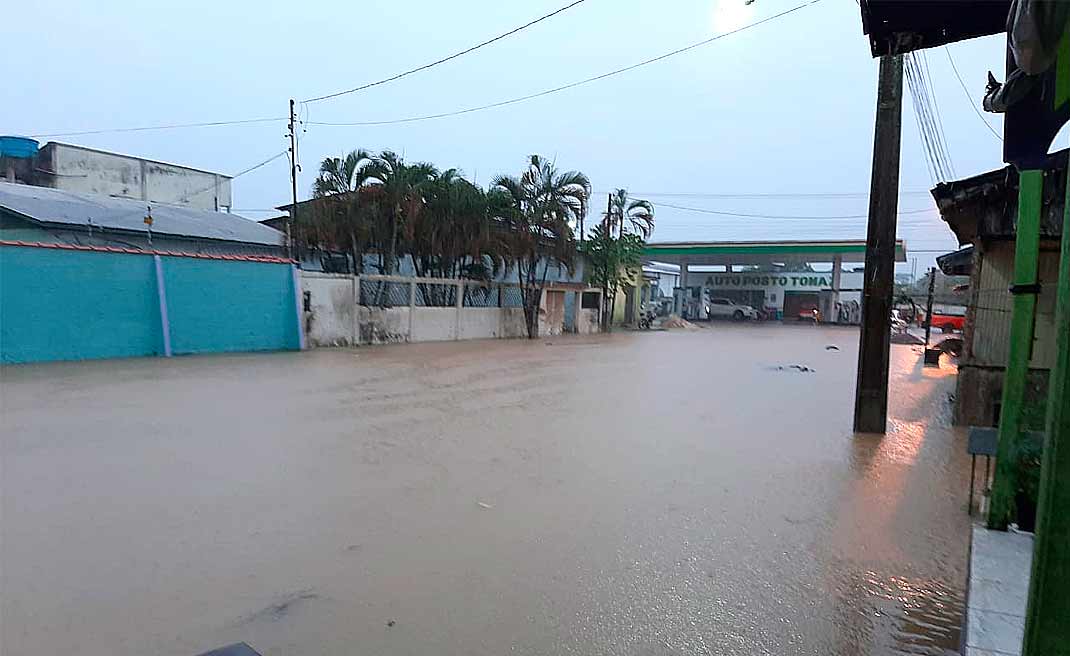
(86, 170)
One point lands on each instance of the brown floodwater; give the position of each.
(683, 492)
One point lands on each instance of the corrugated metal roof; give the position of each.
(80, 210)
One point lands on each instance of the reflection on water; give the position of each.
(658, 493)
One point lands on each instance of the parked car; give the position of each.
(948, 322)
(725, 308)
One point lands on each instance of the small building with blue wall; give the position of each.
(79, 280)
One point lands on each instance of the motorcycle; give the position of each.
(647, 314)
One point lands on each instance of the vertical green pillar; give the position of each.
(1047, 618)
(1023, 319)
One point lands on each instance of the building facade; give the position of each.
(78, 169)
(982, 212)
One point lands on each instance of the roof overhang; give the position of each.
(899, 26)
(769, 252)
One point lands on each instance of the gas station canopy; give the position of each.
(761, 252)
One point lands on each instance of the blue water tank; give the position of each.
(18, 147)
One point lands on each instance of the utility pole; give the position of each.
(929, 306)
(871, 388)
(293, 178)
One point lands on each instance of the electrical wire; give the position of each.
(924, 119)
(455, 55)
(776, 216)
(970, 98)
(931, 91)
(768, 196)
(171, 126)
(572, 85)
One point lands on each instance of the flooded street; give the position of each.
(678, 492)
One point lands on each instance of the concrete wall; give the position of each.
(74, 168)
(993, 303)
(331, 317)
(63, 304)
(218, 306)
(586, 322)
(70, 305)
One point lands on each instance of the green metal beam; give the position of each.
(1047, 619)
(1023, 320)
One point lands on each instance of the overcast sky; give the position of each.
(786, 107)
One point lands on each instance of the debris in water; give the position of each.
(391, 623)
(832, 347)
(282, 608)
(797, 367)
(483, 505)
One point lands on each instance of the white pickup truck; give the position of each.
(724, 308)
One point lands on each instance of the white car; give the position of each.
(724, 308)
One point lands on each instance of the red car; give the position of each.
(948, 322)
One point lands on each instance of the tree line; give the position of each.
(379, 205)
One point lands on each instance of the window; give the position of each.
(589, 300)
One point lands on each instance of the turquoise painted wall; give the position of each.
(73, 305)
(217, 306)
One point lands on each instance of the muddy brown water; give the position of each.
(681, 492)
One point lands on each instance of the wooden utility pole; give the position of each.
(871, 388)
(929, 306)
(293, 178)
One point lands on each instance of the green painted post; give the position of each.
(1023, 318)
(1047, 629)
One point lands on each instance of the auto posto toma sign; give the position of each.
(801, 281)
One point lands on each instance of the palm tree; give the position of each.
(622, 210)
(401, 187)
(536, 212)
(338, 218)
(451, 237)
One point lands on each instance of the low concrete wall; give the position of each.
(329, 312)
(587, 322)
(333, 317)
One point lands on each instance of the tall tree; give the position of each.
(536, 213)
(623, 211)
(342, 218)
(401, 187)
(451, 237)
(611, 262)
(623, 215)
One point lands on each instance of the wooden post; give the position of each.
(871, 388)
(1047, 630)
(929, 307)
(1023, 319)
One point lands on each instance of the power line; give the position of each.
(171, 126)
(702, 210)
(931, 91)
(969, 97)
(455, 55)
(928, 127)
(770, 196)
(572, 85)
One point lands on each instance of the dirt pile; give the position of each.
(675, 321)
